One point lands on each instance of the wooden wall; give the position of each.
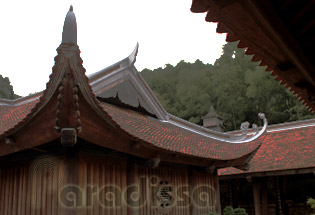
(31, 189)
(103, 186)
(203, 192)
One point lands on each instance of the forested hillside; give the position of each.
(235, 86)
(6, 89)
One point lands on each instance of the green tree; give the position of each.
(6, 89)
(237, 88)
(229, 210)
(311, 202)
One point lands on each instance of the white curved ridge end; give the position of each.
(245, 136)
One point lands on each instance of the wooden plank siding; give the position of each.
(103, 183)
(150, 187)
(204, 193)
(30, 189)
(48, 185)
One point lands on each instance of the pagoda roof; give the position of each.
(211, 114)
(117, 104)
(277, 33)
(287, 148)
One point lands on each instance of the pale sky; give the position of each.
(108, 31)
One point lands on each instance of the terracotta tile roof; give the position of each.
(151, 130)
(281, 150)
(172, 138)
(10, 116)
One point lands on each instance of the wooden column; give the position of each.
(193, 209)
(264, 198)
(278, 196)
(230, 192)
(283, 189)
(217, 189)
(132, 186)
(71, 183)
(256, 190)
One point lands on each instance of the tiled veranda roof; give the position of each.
(286, 149)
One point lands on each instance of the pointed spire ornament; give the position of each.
(69, 34)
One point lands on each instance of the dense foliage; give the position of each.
(6, 89)
(311, 202)
(237, 87)
(229, 210)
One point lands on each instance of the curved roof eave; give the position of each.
(292, 69)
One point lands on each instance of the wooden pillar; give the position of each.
(70, 204)
(283, 189)
(278, 196)
(193, 210)
(264, 198)
(217, 190)
(133, 187)
(230, 192)
(256, 190)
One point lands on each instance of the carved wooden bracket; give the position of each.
(136, 145)
(68, 114)
(244, 166)
(209, 169)
(68, 137)
(249, 179)
(153, 162)
(9, 141)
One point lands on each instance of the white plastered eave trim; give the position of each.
(245, 137)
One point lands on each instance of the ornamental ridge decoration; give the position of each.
(68, 114)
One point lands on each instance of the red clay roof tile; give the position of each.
(281, 150)
(172, 138)
(160, 134)
(10, 116)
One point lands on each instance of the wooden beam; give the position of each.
(39, 150)
(280, 34)
(256, 190)
(301, 13)
(271, 173)
(306, 28)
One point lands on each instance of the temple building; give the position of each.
(104, 144)
(281, 175)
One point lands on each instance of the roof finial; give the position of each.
(69, 34)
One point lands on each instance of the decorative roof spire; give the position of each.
(213, 121)
(69, 34)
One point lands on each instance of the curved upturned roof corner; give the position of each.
(122, 82)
